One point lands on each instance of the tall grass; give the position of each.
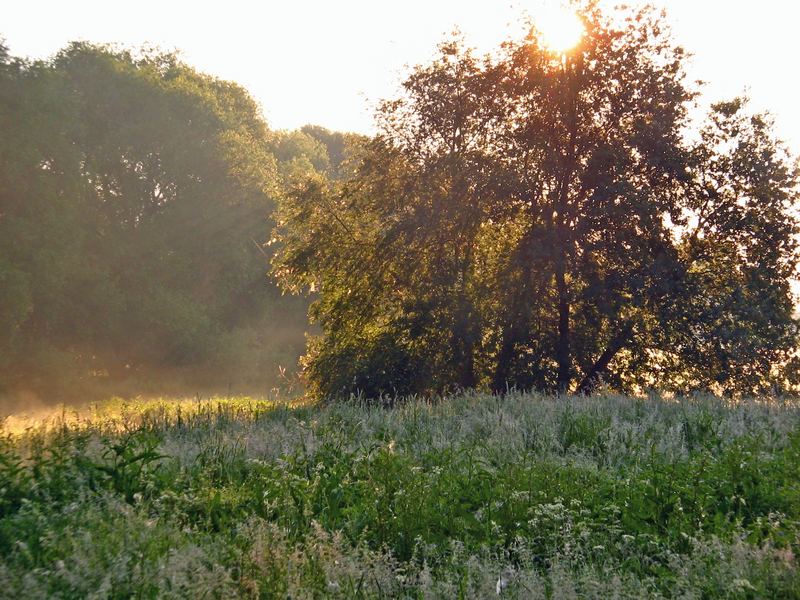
(469, 496)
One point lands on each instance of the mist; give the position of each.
(136, 203)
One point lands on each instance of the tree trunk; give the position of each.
(463, 345)
(592, 378)
(563, 350)
(499, 382)
(467, 375)
(516, 326)
(562, 344)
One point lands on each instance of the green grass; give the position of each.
(464, 497)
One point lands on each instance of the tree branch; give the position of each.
(616, 344)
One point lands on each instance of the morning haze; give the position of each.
(323, 300)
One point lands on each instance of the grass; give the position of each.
(466, 497)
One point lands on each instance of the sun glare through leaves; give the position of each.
(559, 28)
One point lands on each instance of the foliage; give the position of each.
(135, 202)
(460, 497)
(542, 221)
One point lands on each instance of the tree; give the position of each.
(391, 249)
(135, 202)
(540, 220)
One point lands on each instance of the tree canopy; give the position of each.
(136, 198)
(545, 221)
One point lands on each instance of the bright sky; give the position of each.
(327, 62)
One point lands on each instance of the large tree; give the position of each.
(541, 220)
(135, 201)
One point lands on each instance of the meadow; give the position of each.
(472, 496)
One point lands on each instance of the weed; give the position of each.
(470, 496)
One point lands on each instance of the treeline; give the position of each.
(136, 198)
(528, 219)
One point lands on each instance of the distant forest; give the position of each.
(136, 203)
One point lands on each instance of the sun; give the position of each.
(559, 28)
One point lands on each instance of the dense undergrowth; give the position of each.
(471, 496)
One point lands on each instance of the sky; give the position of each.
(328, 62)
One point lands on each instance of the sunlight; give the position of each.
(559, 28)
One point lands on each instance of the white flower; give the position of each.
(502, 583)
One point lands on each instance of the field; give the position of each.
(466, 497)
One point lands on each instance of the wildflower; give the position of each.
(743, 584)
